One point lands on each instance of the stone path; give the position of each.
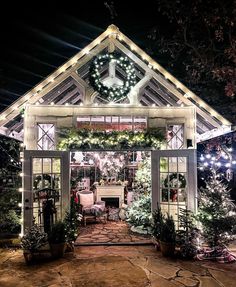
(113, 266)
(110, 232)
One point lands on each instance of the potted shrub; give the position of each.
(57, 239)
(157, 220)
(167, 236)
(32, 241)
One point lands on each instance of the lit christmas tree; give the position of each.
(216, 211)
(139, 213)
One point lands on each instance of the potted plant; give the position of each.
(157, 220)
(167, 236)
(57, 239)
(32, 241)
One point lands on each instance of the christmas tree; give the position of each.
(139, 214)
(216, 211)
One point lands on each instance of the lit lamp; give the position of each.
(189, 143)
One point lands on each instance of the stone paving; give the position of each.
(110, 232)
(113, 266)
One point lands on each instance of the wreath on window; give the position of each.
(115, 93)
(178, 178)
(38, 181)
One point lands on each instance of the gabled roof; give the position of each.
(70, 83)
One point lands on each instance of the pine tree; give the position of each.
(187, 234)
(216, 212)
(139, 214)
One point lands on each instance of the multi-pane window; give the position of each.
(46, 185)
(175, 136)
(46, 137)
(109, 123)
(173, 184)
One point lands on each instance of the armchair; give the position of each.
(90, 208)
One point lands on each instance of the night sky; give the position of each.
(37, 38)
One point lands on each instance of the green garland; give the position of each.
(116, 140)
(114, 93)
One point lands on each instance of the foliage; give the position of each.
(198, 46)
(157, 220)
(70, 139)
(72, 220)
(9, 183)
(34, 238)
(216, 212)
(167, 229)
(187, 234)
(114, 93)
(10, 221)
(143, 177)
(139, 213)
(57, 233)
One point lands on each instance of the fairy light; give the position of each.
(20, 189)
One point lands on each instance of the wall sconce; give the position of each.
(189, 143)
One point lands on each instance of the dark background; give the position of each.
(38, 37)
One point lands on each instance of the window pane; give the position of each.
(182, 195)
(47, 181)
(182, 164)
(46, 137)
(56, 181)
(37, 182)
(163, 164)
(172, 164)
(56, 165)
(37, 165)
(175, 136)
(164, 194)
(47, 165)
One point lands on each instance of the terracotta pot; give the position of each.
(167, 249)
(57, 249)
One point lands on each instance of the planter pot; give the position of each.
(57, 249)
(28, 256)
(167, 249)
(156, 243)
(70, 247)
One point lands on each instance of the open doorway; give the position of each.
(113, 178)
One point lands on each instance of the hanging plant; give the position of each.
(115, 93)
(115, 140)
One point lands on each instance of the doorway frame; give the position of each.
(191, 155)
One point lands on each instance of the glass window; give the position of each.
(56, 165)
(175, 136)
(46, 174)
(109, 123)
(173, 185)
(46, 137)
(37, 165)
